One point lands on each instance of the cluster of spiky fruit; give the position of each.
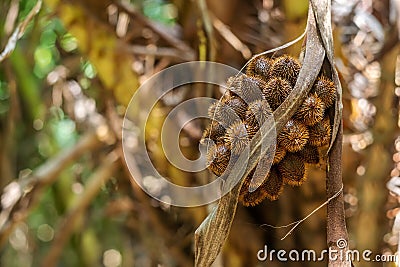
(250, 100)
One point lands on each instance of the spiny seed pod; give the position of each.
(292, 170)
(320, 133)
(238, 106)
(251, 129)
(259, 67)
(247, 88)
(214, 131)
(236, 137)
(260, 172)
(223, 113)
(280, 153)
(309, 154)
(248, 198)
(212, 109)
(286, 67)
(251, 89)
(258, 112)
(273, 186)
(234, 85)
(217, 158)
(311, 110)
(276, 91)
(294, 136)
(326, 90)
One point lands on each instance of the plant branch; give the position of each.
(20, 196)
(186, 52)
(81, 203)
(336, 223)
(155, 221)
(19, 32)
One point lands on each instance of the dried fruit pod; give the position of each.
(280, 153)
(294, 136)
(214, 131)
(311, 110)
(260, 172)
(251, 129)
(320, 133)
(276, 91)
(236, 137)
(259, 67)
(326, 90)
(217, 158)
(285, 67)
(234, 85)
(258, 112)
(248, 198)
(273, 186)
(309, 154)
(238, 106)
(252, 89)
(292, 170)
(223, 113)
(212, 109)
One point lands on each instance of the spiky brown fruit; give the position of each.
(320, 133)
(246, 87)
(259, 67)
(237, 105)
(252, 88)
(258, 112)
(311, 110)
(309, 154)
(260, 172)
(212, 109)
(326, 90)
(294, 136)
(285, 67)
(276, 91)
(217, 158)
(234, 85)
(223, 113)
(251, 129)
(292, 170)
(236, 137)
(248, 198)
(280, 153)
(214, 131)
(273, 186)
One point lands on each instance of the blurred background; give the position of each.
(67, 198)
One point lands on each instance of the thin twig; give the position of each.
(19, 32)
(92, 188)
(20, 196)
(154, 220)
(157, 51)
(208, 28)
(187, 51)
(231, 38)
(314, 211)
